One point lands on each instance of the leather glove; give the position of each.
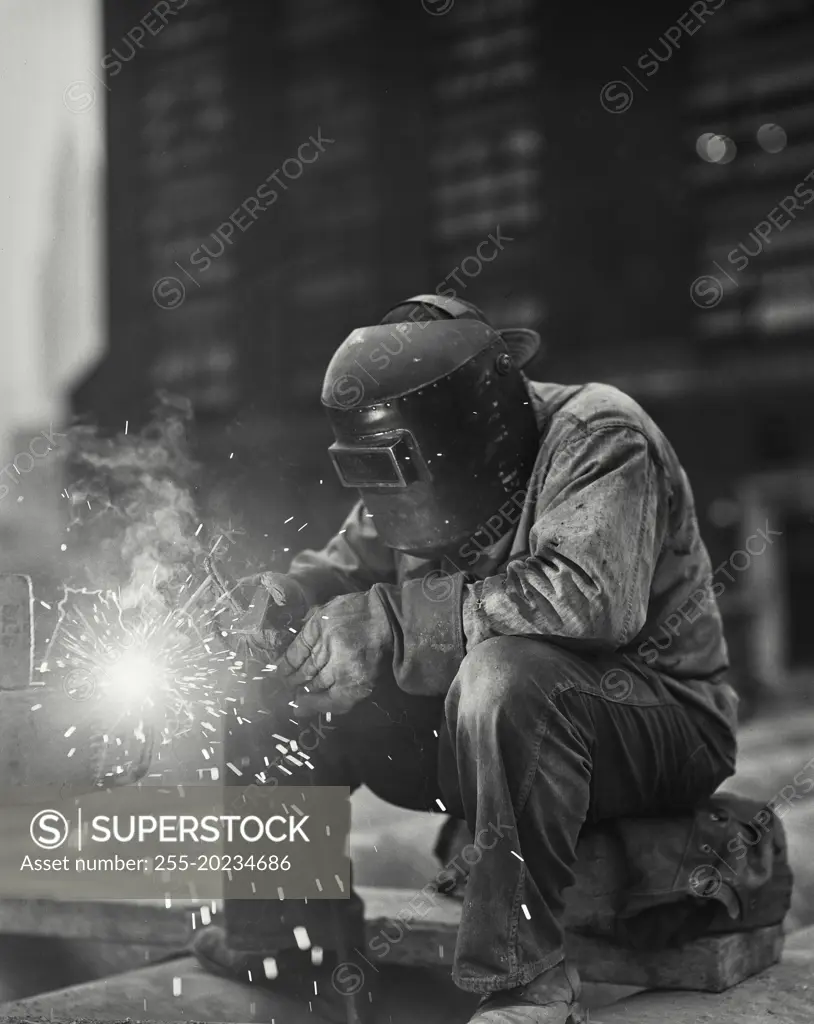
(281, 607)
(338, 655)
(267, 621)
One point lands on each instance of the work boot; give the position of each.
(550, 998)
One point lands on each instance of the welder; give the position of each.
(487, 627)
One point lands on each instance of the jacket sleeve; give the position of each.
(353, 560)
(600, 517)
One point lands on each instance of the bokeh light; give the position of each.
(772, 138)
(716, 149)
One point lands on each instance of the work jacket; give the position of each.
(602, 551)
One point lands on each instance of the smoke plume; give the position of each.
(133, 509)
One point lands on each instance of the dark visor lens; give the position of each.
(372, 466)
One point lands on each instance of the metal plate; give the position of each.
(16, 631)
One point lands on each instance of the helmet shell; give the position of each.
(444, 403)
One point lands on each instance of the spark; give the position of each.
(146, 665)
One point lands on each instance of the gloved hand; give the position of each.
(267, 621)
(338, 655)
(280, 607)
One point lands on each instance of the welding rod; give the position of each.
(214, 576)
(196, 596)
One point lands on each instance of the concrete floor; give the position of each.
(180, 991)
(394, 847)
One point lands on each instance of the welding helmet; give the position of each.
(433, 422)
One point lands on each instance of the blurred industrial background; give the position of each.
(636, 183)
(203, 197)
(620, 156)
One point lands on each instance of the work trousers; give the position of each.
(531, 742)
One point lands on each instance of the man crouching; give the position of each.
(489, 623)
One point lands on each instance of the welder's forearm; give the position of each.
(436, 622)
(329, 573)
(350, 562)
(551, 603)
(320, 583)
(436, 626)
(593, 553)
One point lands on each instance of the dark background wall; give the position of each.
(446, 127)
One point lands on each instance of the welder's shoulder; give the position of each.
(578, 411)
